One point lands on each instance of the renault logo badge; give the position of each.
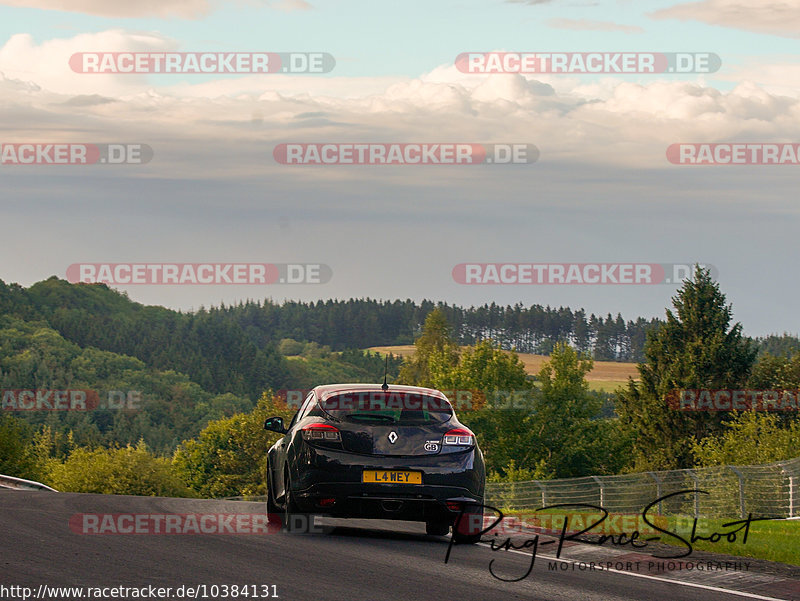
(393, 437)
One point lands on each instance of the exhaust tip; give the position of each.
(392, 505)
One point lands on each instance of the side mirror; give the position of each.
(275, 424)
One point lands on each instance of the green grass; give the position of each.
(773, 540)
(606, 386)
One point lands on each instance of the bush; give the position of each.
(750, 438)
(290, 347)
(120, 471)
(229, 456)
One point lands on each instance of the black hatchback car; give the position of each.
(371, 451)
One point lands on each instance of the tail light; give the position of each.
(321, 433)
(459, 437)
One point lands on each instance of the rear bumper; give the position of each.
(333, 475)
(423, 504)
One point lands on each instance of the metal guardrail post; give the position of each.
(544, 493)
(696, 496)
(791, 492)
(741, 489)
(658, 491)
(602, 491)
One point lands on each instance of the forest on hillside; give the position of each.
(188, 369)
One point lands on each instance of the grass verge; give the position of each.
(772, 540)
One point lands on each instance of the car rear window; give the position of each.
(402, 408)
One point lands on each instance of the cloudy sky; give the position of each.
(601, 191)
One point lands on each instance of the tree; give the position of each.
(290, 347)
(784, 345)
(434, 345)
(484, 367)
(571, 438)
(773, 371)
(17, 456)
(501, 410)
(696, 348)
(229, 456)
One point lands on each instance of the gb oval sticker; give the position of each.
(432, 446)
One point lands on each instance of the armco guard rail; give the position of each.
(22, 484)
(727, 490)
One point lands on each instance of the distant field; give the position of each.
(606, 385)
(606, 375)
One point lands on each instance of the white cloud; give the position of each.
(776, 17)
(189, 9)
(773, 74)
(229, 125)
(602, 189)
(292, 5)
(185, 9)
(592, 25)
(47, 63)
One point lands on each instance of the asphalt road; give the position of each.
(366, 560)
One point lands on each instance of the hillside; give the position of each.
(610, 373)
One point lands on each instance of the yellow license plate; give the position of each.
(391, 477)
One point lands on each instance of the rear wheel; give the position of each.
(291, 520)
(466, 539)
(273, 511)
(467, 527)
(437, 528)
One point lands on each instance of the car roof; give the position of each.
(328, 390)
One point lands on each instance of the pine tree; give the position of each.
(695, 348)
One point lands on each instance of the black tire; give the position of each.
(290, 509)
(273, 511)
(437, 528)
(467, 531)
(466, 539)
